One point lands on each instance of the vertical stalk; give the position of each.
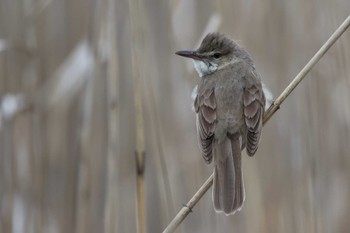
(140, 166)
(136, 19)
(111, 213)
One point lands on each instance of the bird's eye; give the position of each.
(217, 55)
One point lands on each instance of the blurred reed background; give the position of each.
(69, 72)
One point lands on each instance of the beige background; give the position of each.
(67, 129)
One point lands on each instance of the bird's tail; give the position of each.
(228, 187)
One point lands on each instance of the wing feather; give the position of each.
(254, 104)
(205, 107)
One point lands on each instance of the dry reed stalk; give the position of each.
(182, 214)
(158, 137)
(137, 33)
(86, 166)
(111, 214)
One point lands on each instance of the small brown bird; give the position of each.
(230, 104)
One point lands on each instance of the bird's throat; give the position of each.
(204, 68)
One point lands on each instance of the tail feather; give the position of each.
(228, 188)
(239, 185)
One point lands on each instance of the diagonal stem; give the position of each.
(325, 47)
(182, 214)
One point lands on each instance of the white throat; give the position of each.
(204, 68)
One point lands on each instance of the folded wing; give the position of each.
(254, 104)
(205, 107)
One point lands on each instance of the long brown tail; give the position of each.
(228, 188)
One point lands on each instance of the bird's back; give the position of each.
(228, 85)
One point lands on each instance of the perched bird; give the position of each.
(229, 104)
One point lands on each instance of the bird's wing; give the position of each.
(205, 107)
(254, 104)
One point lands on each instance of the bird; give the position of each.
(229, 102)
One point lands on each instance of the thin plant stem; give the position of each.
(136, 18)
(113, 152)
(302, 74)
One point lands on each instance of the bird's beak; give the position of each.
(190, 54)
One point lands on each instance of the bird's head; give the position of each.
(215, 52)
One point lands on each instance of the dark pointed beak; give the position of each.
(190, 54)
